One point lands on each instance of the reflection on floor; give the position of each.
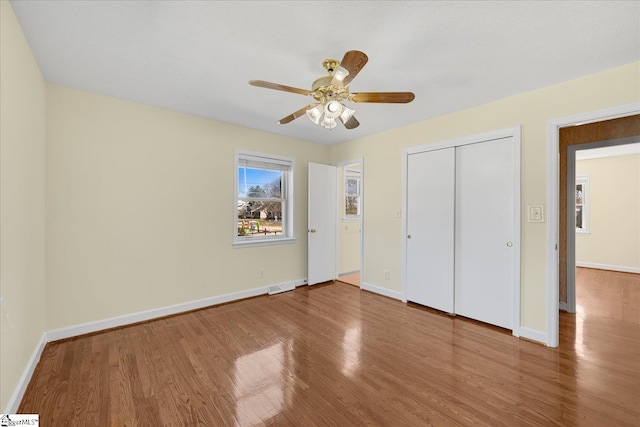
(350, 278)
(331, 354)
(601, 341)
(608, 296)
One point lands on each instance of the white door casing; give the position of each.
(322, 223)
(430, 228)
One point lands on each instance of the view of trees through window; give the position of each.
(260, 201)
(352, 199)
(352, 192)
(582, 208)
(579, 200)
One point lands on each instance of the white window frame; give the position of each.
(352, 174)
(584, 181)
(266, 161)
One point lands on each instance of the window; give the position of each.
(264, 196)
(351, 193)
(582, 206)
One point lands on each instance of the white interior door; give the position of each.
(430, 228)
(322, 223)
(485, 231)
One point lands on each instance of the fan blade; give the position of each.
(388, 97)
(352, 123)
(276, 86)
(293, 116)
(353, 62)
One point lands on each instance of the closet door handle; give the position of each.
(409, 236)
(509, 244)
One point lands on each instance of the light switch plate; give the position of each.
(536, 213)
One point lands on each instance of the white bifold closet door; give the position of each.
(430, 224)
(461, 229)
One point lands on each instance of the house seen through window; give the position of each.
(264, 197)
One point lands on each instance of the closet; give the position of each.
(462, 226)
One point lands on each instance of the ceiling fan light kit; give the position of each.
(315, 113)
(330, 91)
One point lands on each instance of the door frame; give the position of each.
(552, 305)
(342, 164)
(513, 132)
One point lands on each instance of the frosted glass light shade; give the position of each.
(340, 74)
(346, 114)
(328, 122)
(326, 114)
(333, 109)
(315, 113)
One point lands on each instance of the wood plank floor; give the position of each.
(350, 278)
(333, 355)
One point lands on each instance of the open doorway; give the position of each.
(607, 208)
(350, 213)
(602, 324)
(612, 123)
(601, 209)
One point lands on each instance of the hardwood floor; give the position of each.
(350, 279)
(332, 355)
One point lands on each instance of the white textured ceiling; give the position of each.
(197, 56)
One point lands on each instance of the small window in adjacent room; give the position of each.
(351, 193)
(582, 204)
(264, 195)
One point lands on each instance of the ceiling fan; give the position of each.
(330, 91)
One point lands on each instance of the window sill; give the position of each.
(263, 242)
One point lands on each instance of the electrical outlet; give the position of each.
(261, 273)
(386, 275)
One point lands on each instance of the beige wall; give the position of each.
(382, 154)
(22, 194)
(348, 234)
(614, 212)
(140, 208)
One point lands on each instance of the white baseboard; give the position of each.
(127, 319)
(344, 273)
(608, 267)
(23, 382)
(113, 322)
(382, 291)
(533, 335)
